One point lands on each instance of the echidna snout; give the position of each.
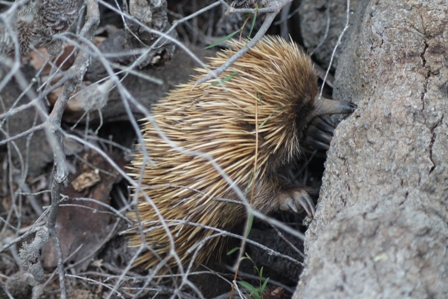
(325, 106)
(254, 130)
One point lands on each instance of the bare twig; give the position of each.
(273, 8)
(327, 29)
(347, 23)
(52, 127)
(284, 25)
(270, 8)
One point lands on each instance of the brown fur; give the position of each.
(271, 92)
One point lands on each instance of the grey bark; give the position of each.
(381, 227)
(322, 22)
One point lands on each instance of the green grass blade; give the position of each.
(253, 20)
(263, 287)
(222, 39)
(228, 78)
(250, 288)
(232, 250)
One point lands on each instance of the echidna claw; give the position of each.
(293, 207)
(305, 201)
(297, 201)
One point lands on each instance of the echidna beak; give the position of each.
(326, 106)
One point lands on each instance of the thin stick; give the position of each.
(273, 8)
(52, 127)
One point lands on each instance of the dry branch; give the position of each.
(272, 9)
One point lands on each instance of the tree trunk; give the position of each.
(381, 228)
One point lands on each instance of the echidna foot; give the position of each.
(319, 133)
(296, 201)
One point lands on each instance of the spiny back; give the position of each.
(269, 91)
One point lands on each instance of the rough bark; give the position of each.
(381, 228)
(322, 23)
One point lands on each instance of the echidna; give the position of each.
(253, 129)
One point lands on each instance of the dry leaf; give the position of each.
(86, 180)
